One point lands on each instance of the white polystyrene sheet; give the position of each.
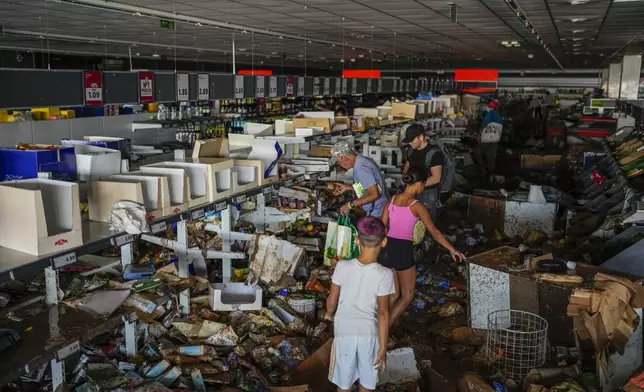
(57, 200)
(197, 172)
(176, 181)
(149, 186)
(401, 367)
(236, 140)
(258, 129)
(522, 218)
(265, 151)
(489, 291)
(92, 166)
(621, 367)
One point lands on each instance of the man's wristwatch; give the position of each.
(351, 204)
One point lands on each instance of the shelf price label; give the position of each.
(268, 190)
(239, 199)
(316, 86)
(198, 214)
(300, 86)
(203, 85)
(122, 239)
(345, 85)
(221, 206)
(63, 260)
(146, 87)
(239, 86)
(93, 88)
(379, 85)
(68, 350)
(183, 87)
(327, 87)
(299, 179)
(288, 183)
(272, 86)
(313, 177)
(260, 85)
(290, 80)
(158, 227)
(354, 86)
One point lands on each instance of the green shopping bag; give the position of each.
(354, 249)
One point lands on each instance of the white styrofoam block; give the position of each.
(227, 297)
(152, 195)
(267, 152)
(283, 127)
(258, 129)
(523, 217)
(176, 182)
(489, 291)
(401, 367)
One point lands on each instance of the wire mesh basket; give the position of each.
(517, 342)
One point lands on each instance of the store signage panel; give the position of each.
(183, 87)
(300, 86)
(259, 87)
(93, 88)
(203, 87)
(316, 86)
(146, 87)
(272, 89)
(239, 86)
(338, 86)
(379, 85)
(290, 80)
(354, 86)
(327, 87)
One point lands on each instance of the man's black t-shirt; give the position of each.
(418, 158)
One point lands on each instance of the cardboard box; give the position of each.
(150, 190)
(21, 164)
(40, 216)
(247, 174)
(210, 178)
(115, 143)
(313, 123)
(210, 148)
(540, 161)
(93, 163)
(314, 370)
(404, 110)
(178, 186)
(321, 151)
(384, 112)
(389, 140)
(357, 123)
(366, 112)
(284, 127)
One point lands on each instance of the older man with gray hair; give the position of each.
(368, 183)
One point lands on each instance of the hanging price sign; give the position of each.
(93, 88)
(327, 87)
(354, 86)
(272, 86)
(239, 86)
(338, 86)
(316, 86)
(183, 87)
(345, 85)
(379, 85)
(260, 85)
(300, 86)
(204, 87)
(369, 86)
(290, 80)
(146, 87)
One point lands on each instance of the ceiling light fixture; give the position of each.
(579, 2)
(156, 55)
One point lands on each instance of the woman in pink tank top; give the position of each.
(400, 216)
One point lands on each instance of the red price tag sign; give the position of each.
(93, 88)
(146, 87)
(289, 85)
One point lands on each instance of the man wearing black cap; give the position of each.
(431, 158)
